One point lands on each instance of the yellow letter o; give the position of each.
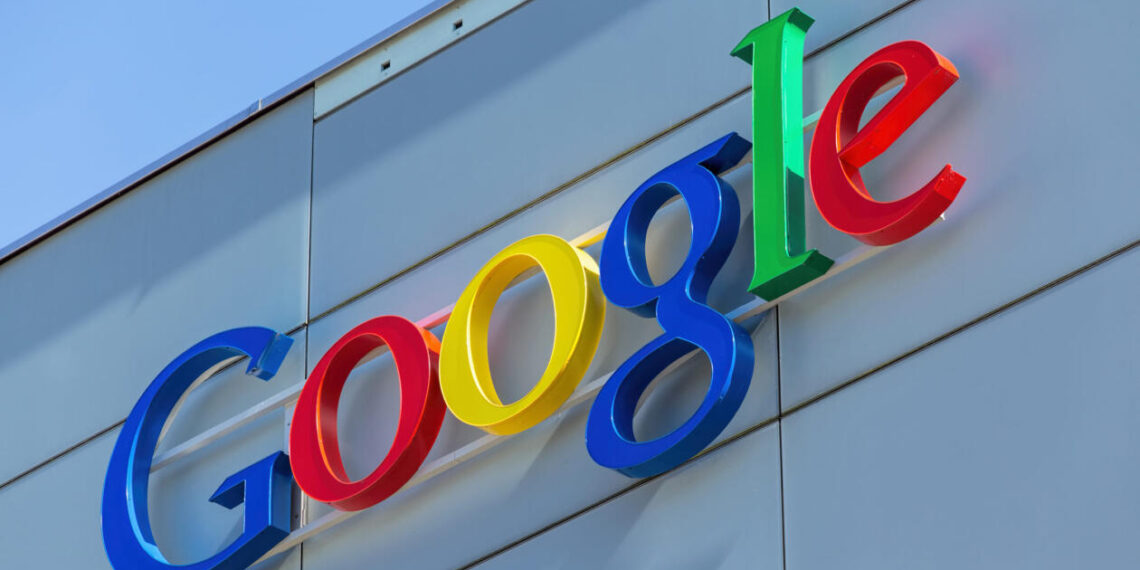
(579, 313)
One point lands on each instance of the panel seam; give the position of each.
(303, 499)
(968, 324)
(60, 454)
(780, 442)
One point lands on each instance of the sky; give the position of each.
(93, 91)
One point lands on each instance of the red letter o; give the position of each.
(313, 449)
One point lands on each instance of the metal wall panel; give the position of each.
(479, 506)
(834, 18)
(62, 498)
(93, 313)
(1009, 445)
(720, 512)
(53, 515)
(1045, 192)
(508, 114)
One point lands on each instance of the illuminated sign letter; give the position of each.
(316, 458)
(680, 307)
(579, 313)
(840, 147)
(264, 487)
(775, 51)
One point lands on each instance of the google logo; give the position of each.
(453, 373)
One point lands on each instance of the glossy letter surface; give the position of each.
(840, 148)
(316, 457)
(579, 313)
(264, 487)
(679, 305)
(775, 51)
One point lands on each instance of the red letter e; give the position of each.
(839, 147)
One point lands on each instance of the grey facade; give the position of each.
(966, 399)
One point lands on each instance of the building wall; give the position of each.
(965, 399)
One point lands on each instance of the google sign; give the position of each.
(454, 374)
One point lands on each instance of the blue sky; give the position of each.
(93, 91)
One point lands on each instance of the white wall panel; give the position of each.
(1047, 156)
(834, 18)
(508, 114)
(1010, 445)
(93, 313)
(720, 512)
(52, 518)
(53, 514)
